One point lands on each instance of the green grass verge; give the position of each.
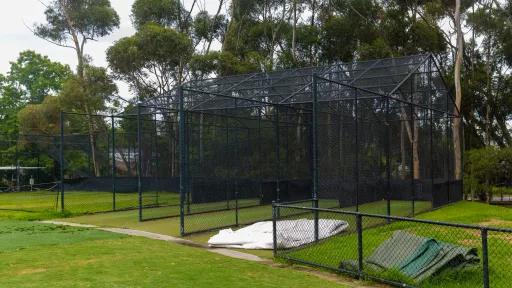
(86, 258)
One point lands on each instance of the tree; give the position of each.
(36, 76)
(31, 78)
(148, 59)
(89, 95)
(457, 145)
(71, 23)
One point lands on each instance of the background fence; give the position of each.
(398, 251)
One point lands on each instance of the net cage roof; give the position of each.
(415, 80)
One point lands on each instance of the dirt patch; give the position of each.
(31, 271)
(470, 242)
(496, 222)
(86, 262)
(337, 278)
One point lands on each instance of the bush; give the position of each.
(487, 171)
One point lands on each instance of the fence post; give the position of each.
(315, 204)
(61, 156)
(485, 258)
(139, 162)
(183, 158)
(315, 153)
(413, 137)
(236, 203)
(274, 228)
(113, 164)
(388, 162)
(359, 228)
(356, 156)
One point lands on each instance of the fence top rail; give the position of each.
(397, 218)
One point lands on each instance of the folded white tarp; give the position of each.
(290, 233)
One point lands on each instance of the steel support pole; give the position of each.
(431, 124)
(274, 227)
(388, 160)
(315, 154)
(359, 230)
(156, 159)
(61, 156)
(183, 157)
(139, 162)
(278, 154)
(485, 258)
(413, 137)
(356, 168)
(113, 163)
(17, 161)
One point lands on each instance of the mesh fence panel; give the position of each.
(398, 251)
(240, 160)
(159, 163)
(28, 173)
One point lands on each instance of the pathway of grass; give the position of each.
(79, 257)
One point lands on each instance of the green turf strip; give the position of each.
(16, 235)
(139, 262)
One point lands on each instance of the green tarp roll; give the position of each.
(417, 257)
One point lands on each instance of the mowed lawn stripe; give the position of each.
(140, 262)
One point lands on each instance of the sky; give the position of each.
(15, 37)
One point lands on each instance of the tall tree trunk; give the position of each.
(457, 145)
(210, 40)
(294, 32)
(92, 141)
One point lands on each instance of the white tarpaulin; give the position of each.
(290, 233)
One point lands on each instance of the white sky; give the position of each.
(16, 37)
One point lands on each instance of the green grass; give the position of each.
(78, 257)
(38, 205)
(333, 251)
(170, 226)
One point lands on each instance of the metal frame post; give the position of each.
(274, 228)
(359, 228)
(183, 157)
(315, 154)
(413, 137)
(156, 158)
(356, 156)
(61, 152)
(485, 258)
(139, 162)
(431, 124)
(388, 161)
(17, 161)
(113, 164)
(260, 156)
(278, 154)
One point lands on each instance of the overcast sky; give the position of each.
(15, 37)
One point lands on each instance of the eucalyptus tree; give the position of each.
(30, 79)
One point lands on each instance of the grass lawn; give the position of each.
(170, 226)
(37, 205)
(344, 247)
(38, 255)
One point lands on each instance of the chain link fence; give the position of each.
(399, 251)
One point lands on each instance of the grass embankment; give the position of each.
(37, 255)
